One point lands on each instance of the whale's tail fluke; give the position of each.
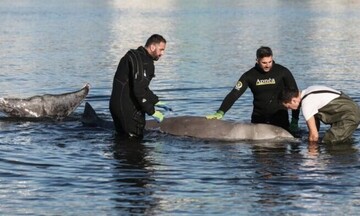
(56, 106)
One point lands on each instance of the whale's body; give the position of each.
(55, 106)
(199, 127)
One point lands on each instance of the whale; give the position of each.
(199, 127)
(215, 129)
(55, 106)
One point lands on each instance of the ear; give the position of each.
(152, 47)
(296, 100)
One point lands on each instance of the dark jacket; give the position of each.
(131, 97)
(265, 87)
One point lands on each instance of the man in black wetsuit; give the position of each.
(131, 97)
(265, 80)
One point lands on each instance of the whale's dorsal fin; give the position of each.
(89, 117)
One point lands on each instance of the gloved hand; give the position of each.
(163, 105)
(158, 116)
(294, 127)
(218, 115)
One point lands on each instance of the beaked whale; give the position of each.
(214, 129)
(57, 106)
(199, 127)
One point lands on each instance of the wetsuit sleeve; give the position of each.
(145, 97)
(295, 113)
(152, 97)
(234, 94)
(291, 83)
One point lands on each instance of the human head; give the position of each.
(155, 46)
(290, 98)
(264, 58)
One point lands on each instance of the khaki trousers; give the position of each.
(343, 114)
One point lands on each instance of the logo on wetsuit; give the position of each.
(270, 81)
(238, 85)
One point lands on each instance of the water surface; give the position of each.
(63, 168)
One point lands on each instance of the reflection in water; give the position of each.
(52, 46)
(288, 174)
(343, 153)
(313, 149)
(274, 172)
(133, 175)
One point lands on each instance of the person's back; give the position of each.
(131, 97)
(321, 103)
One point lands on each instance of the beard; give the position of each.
(154, 56)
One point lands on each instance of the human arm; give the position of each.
(313, 132)
(141, 70)
(225, 105)
(228, 101)
(145, 97)
(290, 83)
(294, 123)
(239, 89)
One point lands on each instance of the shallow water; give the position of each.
(63, 168)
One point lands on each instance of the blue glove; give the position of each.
(163, 105)
(294, 127)
(218, 115)
(158, 116)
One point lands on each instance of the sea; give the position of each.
(65, 168)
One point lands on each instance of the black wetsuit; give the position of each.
(265, 87)
(131, 97)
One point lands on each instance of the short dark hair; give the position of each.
(287, 94)
(155, 39)
(263, 52)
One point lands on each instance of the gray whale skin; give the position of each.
(56, 106)
(199, 127)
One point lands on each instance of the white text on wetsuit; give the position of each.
(269, 81)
